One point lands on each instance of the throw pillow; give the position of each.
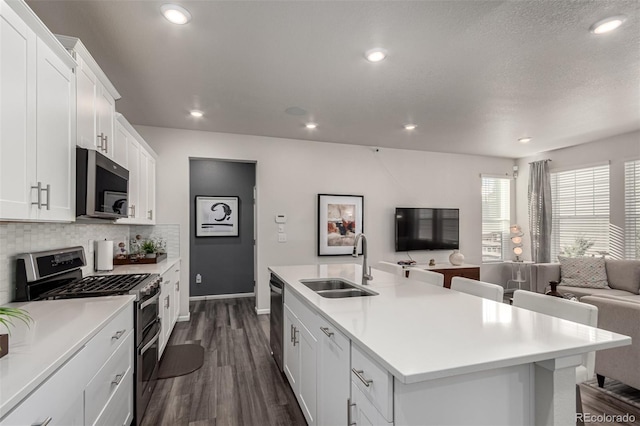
(589, 272)
(624, 275)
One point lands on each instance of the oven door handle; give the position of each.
(150, 301)
(151, 342)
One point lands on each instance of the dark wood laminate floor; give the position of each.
(597, 403)
(239, 383)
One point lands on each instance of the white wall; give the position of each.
(290, 174)
(616, 150)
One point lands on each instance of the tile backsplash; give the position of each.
(16, 238)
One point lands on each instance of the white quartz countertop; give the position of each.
(419, 332)
(148, 268)
(60, 328)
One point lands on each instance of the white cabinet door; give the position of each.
(121, 143)
(55, 146)
(105, 119)
(143, 188)
(334, 362)
(151, 190)
(17, 115)
(362, 412)
(176, 298)
(133, 162)
(308, 379)
(86, 95)
(291, 352)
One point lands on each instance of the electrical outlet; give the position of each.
(198, 279)
(282, 237)
(91, 243)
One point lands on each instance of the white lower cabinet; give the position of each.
(333, 374)
(362, 412)
(95, 386)
(169, 304)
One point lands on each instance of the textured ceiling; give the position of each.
(473, 75)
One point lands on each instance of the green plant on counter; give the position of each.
(7, 315)
(148, 247)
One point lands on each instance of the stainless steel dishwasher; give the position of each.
(276, 321)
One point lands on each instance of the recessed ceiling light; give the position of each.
(375, 55)
(606, 25)
(196, 113)
(175, 14)
(525, 139)
(410, 126)
(311, 125)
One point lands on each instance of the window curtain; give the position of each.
(540, 211)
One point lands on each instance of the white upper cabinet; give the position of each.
(37, 120)
(141, 163)
(96, 106)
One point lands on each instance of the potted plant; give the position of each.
(7, 315)
(149, 248)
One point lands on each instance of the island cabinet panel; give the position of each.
(334, 359)
(291, 355)
(481, 394)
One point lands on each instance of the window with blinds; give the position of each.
(632, 209)
(580, 212)
(496, 218)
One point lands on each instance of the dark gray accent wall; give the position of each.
(225, 263)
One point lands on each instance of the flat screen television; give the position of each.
(427, 229)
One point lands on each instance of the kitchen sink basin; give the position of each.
(336, 288)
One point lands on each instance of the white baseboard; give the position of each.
(221, 296)
(263, 311)
(183, 318)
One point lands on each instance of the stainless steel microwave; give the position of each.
(102, 186)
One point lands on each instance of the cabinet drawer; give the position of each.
(362, 412)
(331, 333)
(375, 382)
(59, 398)
(119, 409)
(103, 344)
(113, 375)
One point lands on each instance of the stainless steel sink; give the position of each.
(336, 288)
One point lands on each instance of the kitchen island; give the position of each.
(453, 358)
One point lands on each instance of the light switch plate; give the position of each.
(281, 227)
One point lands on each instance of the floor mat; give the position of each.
(179, 360)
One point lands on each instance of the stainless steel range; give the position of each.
(56, 274)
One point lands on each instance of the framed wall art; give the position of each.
(340, 219)
(217, 216)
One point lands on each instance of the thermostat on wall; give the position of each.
(281, 218)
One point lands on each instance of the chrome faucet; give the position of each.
(365, 276)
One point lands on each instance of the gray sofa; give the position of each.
(623, 277)
(618, 311)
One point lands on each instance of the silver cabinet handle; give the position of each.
(38, 189)
(291, 332)
(116, 381)
(358, 373)
(150, 214)
(295, 331)
(106, 144)
(46, 422)
(178, 286)
(118, 334)
(101, 139)
(133, 210)
(48, 190)
(349, 405)
(326, 331)
(166, 302)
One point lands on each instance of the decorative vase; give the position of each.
(4, 344)
(554, 289)
(456, 258)
(150, 255)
